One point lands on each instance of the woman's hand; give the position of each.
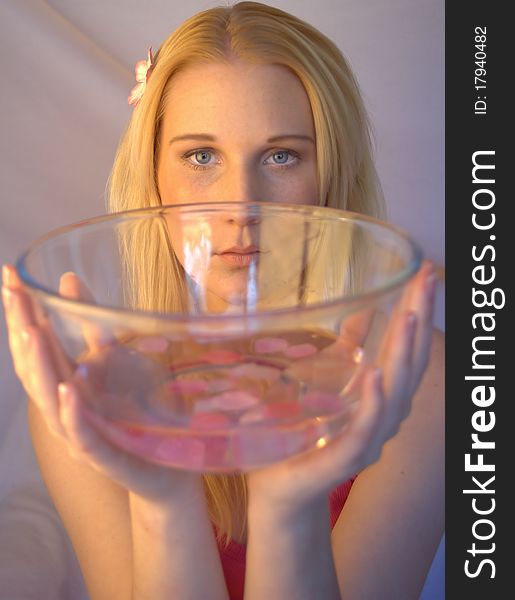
(386, 393)
(50, 379)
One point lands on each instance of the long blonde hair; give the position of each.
(347, 177)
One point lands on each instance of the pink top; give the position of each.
(233, 557)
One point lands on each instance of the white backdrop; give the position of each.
(67, 68)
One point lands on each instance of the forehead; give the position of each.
(226, 96)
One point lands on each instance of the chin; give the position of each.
(229, 290)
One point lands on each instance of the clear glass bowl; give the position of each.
(224, 336)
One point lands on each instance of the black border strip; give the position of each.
(468, 131)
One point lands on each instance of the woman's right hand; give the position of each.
(50, 380)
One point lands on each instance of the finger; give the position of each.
(419, 298)
(71, 286)
(12, 281)
(355, 328)
(335, 368)
(367, 410)
(17, 319)
(18, 308)
(65, 366)
(405, 304)
(89, 445)
(396, 356)
(10, 277)
(356, 446)
(359, 443)
(43, 377)
(360, 435)
(424, 333)
(23, 313)
(86, 443)
(411, 293)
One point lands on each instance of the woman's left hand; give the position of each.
(387, 390)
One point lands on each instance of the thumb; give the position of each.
(72, 287)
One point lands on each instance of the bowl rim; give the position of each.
(50, 296)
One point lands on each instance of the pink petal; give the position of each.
(152, 344)
(133, 439)
(135, 429)
(141, 69)
(270, 345)
(235, 400)
(219, 385)
(260, 446)
(221, 357)
(300, 351)
(269, 374)
(253, 416)
(136, 93)
(283, 410)
(210, 420)
(150, 61)
(186, 386)
(276, 410)
(321, 402)
(186, 452)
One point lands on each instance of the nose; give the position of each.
(244, 216)
(242, 185)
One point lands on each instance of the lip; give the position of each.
(239, 256)
(240, 250)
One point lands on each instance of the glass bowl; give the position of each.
(219, 337)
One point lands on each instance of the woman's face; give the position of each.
(237, 132)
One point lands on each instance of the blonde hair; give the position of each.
(347, 177)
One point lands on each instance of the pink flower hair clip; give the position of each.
(143, 68)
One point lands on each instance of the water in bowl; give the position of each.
(229, 406)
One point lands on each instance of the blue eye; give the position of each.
(202, 157)
(198, 159)
(282, 157)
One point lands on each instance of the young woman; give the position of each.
(249, 103)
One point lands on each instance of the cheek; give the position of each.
(298, 189)
(177, 188)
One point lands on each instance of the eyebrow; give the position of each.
(211, 138)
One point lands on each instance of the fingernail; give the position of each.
(7, 276)
(431, 284)
(411, 320)
(64, 392)
(26, 337)
(7, 296)
(82, 371)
